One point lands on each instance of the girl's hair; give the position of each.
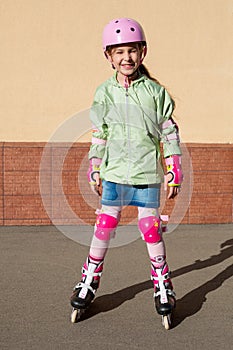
(143, 70)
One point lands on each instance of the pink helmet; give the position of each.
(122, 31)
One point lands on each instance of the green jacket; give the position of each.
(129, 125)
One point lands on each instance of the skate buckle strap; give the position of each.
(161, 277)
(163, 296)
(91, 274)
(83, 285)
(169, 292)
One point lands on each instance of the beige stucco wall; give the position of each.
(51, 62)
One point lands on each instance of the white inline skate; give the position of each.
(164, 295)
(84, 292)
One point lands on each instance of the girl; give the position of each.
(131, 114)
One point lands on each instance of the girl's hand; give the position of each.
(97, 187)
(93, 176)
(173, 190)
(174, 176)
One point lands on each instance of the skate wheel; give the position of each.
(166, 321)
(74, 314)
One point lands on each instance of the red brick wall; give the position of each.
(24, 165)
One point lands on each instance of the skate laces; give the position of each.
(169, 292)
(162, 283)
(85, 286)
(90, 274)
(158, 275)
(87, 273)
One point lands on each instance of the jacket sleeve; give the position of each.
(169, 132)
(99, 128)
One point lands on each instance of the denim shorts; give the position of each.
(114, 194)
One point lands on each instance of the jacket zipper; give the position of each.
(128, 131)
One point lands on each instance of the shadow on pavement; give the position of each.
(192, 302)
(189, 304)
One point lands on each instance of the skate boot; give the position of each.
(84, 292)
(164, 295)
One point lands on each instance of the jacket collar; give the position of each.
(115, 82)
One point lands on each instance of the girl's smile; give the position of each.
(125, 59)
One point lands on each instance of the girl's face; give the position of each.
(125, 58)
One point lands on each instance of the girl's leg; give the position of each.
(105, 226)
(150, 228)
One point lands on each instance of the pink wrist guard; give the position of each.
(173, 164)
(94, 168)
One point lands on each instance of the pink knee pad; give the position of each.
(104, 226)
(150, 229)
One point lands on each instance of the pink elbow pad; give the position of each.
(173, 164)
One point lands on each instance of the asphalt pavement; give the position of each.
(40, 265)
